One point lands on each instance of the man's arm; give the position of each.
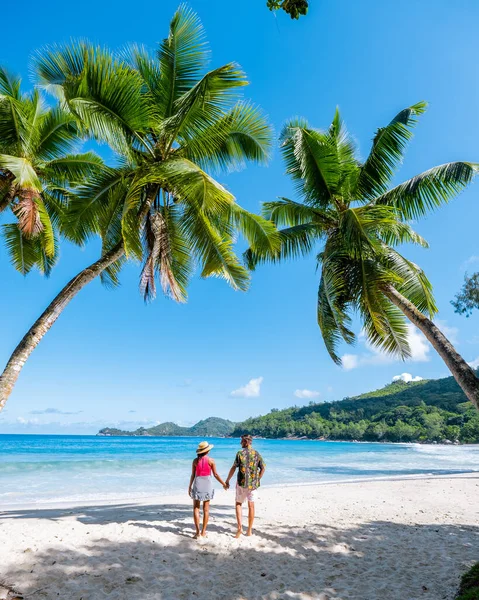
(230, 475)
(262, 467)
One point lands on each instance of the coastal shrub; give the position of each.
(469, 588)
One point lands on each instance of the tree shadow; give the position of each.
(367, 561)
(113, 513)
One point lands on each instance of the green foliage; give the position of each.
(469, 587)
(348, 210)
(172, 126)
(468, 298)
(424, 411)
(211, 427)
(294, 8)
(38, 171)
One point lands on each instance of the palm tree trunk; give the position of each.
(462, 372)
(33, 336)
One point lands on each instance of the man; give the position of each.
(251, 469)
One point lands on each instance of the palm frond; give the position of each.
(73, 169)
(213, 252)
(103, 92)
(57, 134)
(429, 190)
(182, 57)
(27, 252)
(387, 152)
(333, 319)
(23, 171)
(295, 242)
(204, 104)
(288, 212)
(242, 134)
(411, 281)
(311, 161)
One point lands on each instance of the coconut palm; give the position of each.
(171, 128)
(349, 207)
(37, 170)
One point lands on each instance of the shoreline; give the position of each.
(407, 537)
(182, 498)
(446, 443)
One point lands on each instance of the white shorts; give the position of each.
(243, 494)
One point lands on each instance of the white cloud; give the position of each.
(474, 259)
(54, 411)
(407, 378)
(420, 347)
(23, 421)
(474, 363)
(350, 361)
(185, 383)
(452, 333)
(251, 390)
(306, 393)
(418, 344)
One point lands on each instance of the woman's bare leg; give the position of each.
(196, 517)
(239, 519)
(206, 516)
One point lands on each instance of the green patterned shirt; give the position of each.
(249, 464)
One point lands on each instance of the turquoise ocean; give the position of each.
(39, 469)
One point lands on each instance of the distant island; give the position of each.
(424, 411)
(211, 427)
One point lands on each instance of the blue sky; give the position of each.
(110, 359)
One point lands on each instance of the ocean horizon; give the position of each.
(44, 469)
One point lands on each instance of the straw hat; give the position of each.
(203, 447)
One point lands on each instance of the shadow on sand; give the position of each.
(375, 560)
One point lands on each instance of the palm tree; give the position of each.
(170, 126)
(348, 206)
(37, 170)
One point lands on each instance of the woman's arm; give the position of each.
(215, 472)
(192, 478)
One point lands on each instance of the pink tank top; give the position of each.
(203, 468)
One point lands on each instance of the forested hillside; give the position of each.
(424, 411)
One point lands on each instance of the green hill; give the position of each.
(212, 427)
(423, 411)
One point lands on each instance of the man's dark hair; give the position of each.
(247, 438)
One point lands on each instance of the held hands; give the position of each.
(226, 485)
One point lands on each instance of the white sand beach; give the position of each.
(402, 539)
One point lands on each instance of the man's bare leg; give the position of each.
(250, 518)
(196, 517)
(239, 519)
(206, 516)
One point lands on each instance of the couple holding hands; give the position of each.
(251, 468)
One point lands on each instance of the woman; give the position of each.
(201, 486)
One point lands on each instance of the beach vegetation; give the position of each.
(351, 216)
(172, 126)
(425, 411)
(39, 166)
(293, 8)
(467, 299)
(469, 587)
